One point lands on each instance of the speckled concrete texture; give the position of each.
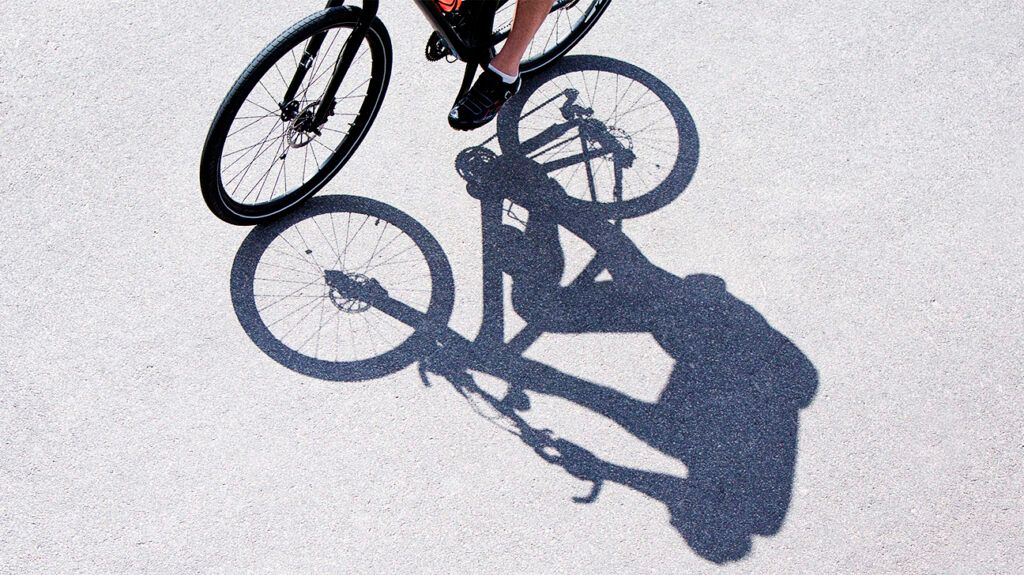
(858, 189)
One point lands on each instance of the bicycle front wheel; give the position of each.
(565, 26)
(263, 155)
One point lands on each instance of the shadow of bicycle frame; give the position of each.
(730, 409)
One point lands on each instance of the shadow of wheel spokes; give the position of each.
(285, 300)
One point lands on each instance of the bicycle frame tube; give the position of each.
(467, 49)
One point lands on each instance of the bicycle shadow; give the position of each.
(730, 408)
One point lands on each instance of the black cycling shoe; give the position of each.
(481, 103)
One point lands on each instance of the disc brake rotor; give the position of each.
(300, 132)
(348, 304)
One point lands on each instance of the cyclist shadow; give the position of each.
(730, 408)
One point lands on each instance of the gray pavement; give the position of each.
(858, 187)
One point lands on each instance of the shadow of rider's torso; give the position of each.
(729, 410)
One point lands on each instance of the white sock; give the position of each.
(504, 77)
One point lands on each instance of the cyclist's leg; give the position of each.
(530, 14)
(500, 81)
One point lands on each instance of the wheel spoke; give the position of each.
(314, 320)
(248, 174)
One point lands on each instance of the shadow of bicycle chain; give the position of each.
(730, 409)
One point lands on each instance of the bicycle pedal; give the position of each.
(437, 48)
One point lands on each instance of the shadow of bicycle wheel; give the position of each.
(287, 306)
(590, 141)
(574, 157)
(618, 140)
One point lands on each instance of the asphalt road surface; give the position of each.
(807, 359)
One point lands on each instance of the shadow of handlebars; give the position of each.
(585, 145)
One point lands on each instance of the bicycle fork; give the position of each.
(345, 58)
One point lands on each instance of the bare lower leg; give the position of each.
(530, 14)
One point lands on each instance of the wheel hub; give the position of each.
(289, 111)
(349, 304)
(301, 130)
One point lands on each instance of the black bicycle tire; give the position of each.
(546, 59)
(669, 188)
(216, 197)
(415, 347)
